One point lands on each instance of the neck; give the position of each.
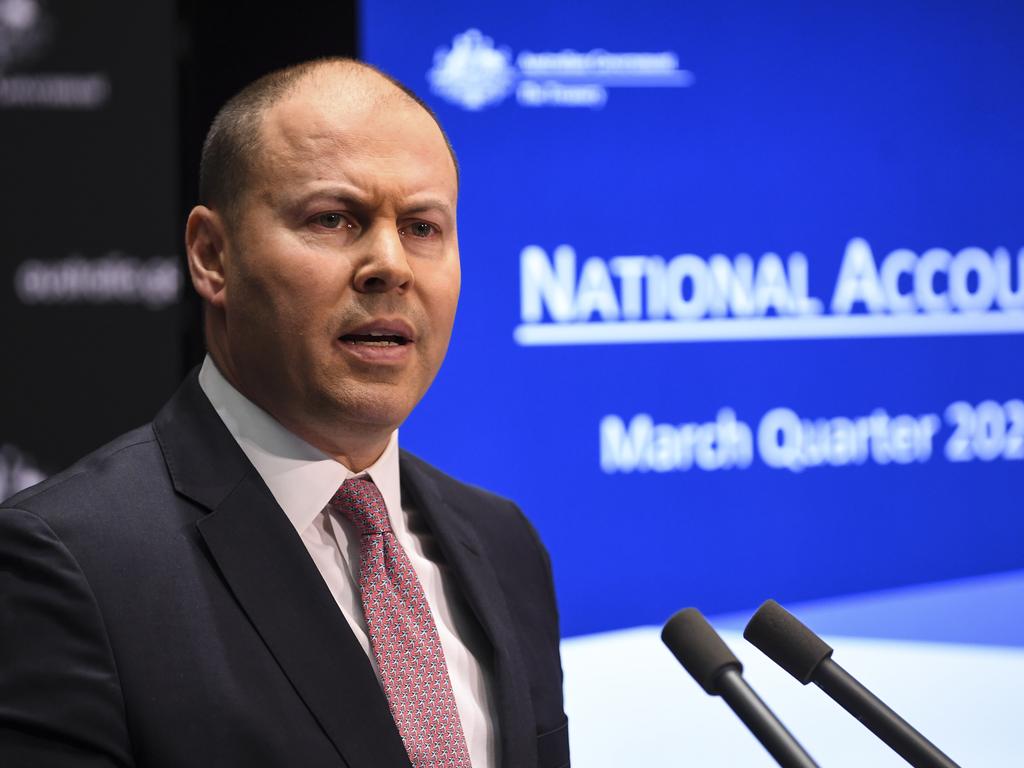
(355, 446)
(354, 454)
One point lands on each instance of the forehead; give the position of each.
(371, 136)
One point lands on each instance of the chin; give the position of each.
(372, 410)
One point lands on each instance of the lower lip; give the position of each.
(390, 354)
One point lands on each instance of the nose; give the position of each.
(384, 266)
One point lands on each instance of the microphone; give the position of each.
(808, 658)
(710, 662)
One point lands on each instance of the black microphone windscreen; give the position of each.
(786, 641)
(698, 647)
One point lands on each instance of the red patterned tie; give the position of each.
(403, 635)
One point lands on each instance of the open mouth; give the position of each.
(375, 339)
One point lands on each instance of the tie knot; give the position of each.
(360, 501)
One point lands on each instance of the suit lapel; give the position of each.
(479, 584)
(268, 569)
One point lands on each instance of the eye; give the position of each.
(419, 229)
(332, 221)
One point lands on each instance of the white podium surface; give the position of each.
(630, 704)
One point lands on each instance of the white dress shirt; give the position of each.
(303, 479)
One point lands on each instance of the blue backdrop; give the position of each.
(742, 296)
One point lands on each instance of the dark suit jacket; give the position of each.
(157, 609)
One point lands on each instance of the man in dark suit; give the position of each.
(261, 577)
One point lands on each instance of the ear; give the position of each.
(205, 244)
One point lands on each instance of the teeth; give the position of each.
(383, 343)
(373, 340)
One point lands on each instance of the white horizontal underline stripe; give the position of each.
(768, 328)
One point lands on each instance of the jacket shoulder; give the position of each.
(449, 483)
(497, 518)
(126, 467)
(461, 495)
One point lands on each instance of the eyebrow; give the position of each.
(352, 196)
(343, 194)
(431, 205)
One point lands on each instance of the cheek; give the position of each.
(293, 294)
(440, 289)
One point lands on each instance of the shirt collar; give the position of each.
(301, 478)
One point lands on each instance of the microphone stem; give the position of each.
(878, 718)
(762, 723)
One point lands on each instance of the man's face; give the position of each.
(341, 268)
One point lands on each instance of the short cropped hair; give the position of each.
(233, 141)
